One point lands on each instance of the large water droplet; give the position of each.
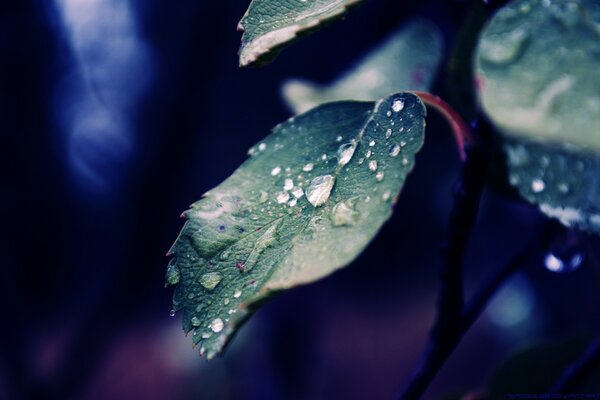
(503, 48)
(319, 190)
(173, 275)
(210, 280)
(345, 153)
(398, 105)
(217, 325)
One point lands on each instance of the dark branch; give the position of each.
(580, 370)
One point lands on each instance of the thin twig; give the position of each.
(580, 370)
(444, 334)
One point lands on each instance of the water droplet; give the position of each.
(262, 147)
(206, 335)
(217, 325)
(210, 280)
(226, 301)
(372, 165)
(173, 274)
(282, 197)
(371, 143)
(538, 185)
(319, 189)
(338, 139)
(556, 264)
(297, 192)
(345, 153)
(388, 133)
(394, 150)
(288, 184)
(172, 313)
(563, 188)
(368, 154)
(343, 214)
(195, 321)
(503, 48)
(237, 294)
(398, 105)
(389, 113)
(379, 176)
(275, 171)
(292, 202)
(324, 157)
(308, 167)
(386, 196)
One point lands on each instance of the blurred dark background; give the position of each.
(116, 115)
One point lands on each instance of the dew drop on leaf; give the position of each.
(372, 165)
(308, 167)
(217, 325)
(345, 153)
(319, 190)
(282, 197)
(398, 105)
(210, 280)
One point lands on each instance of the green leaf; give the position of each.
(271, 25)
(537, 65)
(564, 184)
(408, 59)
(309, 199)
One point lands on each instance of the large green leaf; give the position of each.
(270, 25)
(537, 65)
(409, 59)
(306, 203)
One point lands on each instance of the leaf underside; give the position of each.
(271, 25)
(407, 60)
(308, 200)
(537, 65)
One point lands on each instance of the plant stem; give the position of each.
(576, 374)
(461, 130)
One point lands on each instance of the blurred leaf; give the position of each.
(306, 203)
(271, 25)
(564, 184)
(538, 368)
(537, 68)
(409, 59)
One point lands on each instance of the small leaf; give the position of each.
(271, 25)
(310, 198)
(408, 59)
(564, 184)
(537, 65)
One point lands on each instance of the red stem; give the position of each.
(461, 130)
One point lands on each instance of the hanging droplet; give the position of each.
(319, 190)
(210, 280)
